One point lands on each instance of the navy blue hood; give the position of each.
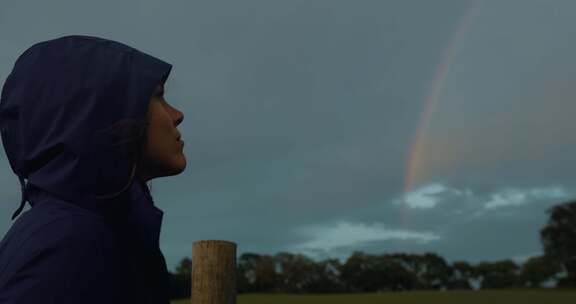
(66, 107)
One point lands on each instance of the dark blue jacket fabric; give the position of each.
(60, 111)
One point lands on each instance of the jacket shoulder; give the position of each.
(68, 260)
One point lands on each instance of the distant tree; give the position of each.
(184, 267)
(499, 274)
(437, 272)
(297, 273)
(559, 240)
(326, 278)
(415, 265)
(180, 286)
(353, 271)
(537, 270)
(266, 273)
(181, 280)
(257, 273)
(461, 275)
(392, 275)
(243, 284)
(430, 270)
(247, 272)
(370, 273)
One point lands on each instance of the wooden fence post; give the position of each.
(213, 272)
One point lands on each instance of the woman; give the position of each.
(85, 126)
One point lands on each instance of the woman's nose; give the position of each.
(179, 116)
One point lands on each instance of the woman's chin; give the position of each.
(180, 165)
(175, 166)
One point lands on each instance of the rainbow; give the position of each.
(414, 163)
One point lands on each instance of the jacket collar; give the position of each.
(134, 210)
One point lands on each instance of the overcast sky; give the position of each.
(325, 127)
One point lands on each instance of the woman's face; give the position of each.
(163, 153)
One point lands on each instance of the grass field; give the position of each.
(427, 297)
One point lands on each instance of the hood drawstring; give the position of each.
(23, 186)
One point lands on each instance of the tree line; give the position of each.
(285, 272)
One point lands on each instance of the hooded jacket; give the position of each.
(60, 111)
